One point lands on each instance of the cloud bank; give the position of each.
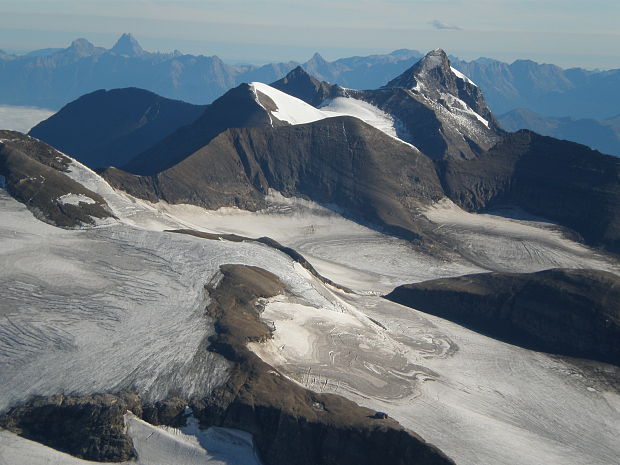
(444, 26)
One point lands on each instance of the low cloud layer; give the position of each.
(22, 119)
(441, 25)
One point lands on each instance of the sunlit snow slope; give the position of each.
(295, 111)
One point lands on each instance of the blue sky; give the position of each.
(564, 32)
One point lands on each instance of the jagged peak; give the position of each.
(317, 58)
(127, 45)
(434, 59)
(298, 73)
(435, 80)
(432, 70)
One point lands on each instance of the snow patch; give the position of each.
(368, 113)
(154, 445)
(296, 111)
(459, 108)
(74, 199)
(290, 109)
(190, 445)
(460, 75)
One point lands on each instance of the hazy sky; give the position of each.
(564, 32)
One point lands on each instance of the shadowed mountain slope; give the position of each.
(339, 161)
(109, 128)
(559, 180)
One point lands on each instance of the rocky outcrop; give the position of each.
(32, 172)
(109, 128)
(90, 427)
(569, 312)
(290, 424)
(434, 107)
(269, 242)
(433, 76)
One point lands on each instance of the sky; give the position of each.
(564, 32)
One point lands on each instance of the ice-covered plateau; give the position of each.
(120, 306)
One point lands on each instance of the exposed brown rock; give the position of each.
(90, 427)
(337, 161)
(33, 174)
(568, 312)
(292, 425)
(292, 253)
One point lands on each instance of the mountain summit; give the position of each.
(434, 78)
(127, 45)
(434, 69)
(81, 47)
(302, 85)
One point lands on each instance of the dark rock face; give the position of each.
(340, 161)
(91, 428)
(568, 312)
(290, 424)
(109, 128)
(33, 173)
(559, 180)
(433, 76)
(239, 108)
(300, 84)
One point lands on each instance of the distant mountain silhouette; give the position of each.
(52, 78)
(544, 88)
(601, 135)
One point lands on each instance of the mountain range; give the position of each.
(603, 135)
(304, 273)
(431, 119)
(53, 77)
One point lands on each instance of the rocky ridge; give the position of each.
(568, 312)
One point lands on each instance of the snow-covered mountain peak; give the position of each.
(431, 72)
